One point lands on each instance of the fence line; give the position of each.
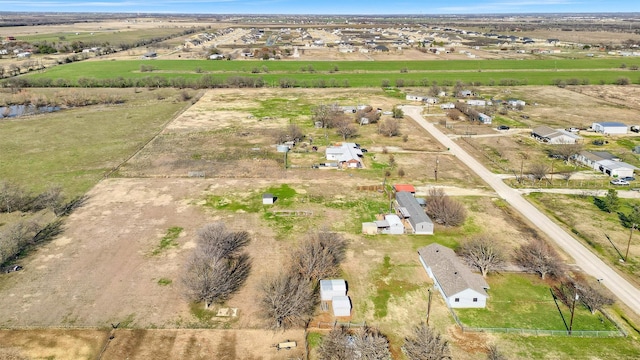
(333, 325)
(580, 333)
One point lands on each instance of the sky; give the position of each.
(337, 7)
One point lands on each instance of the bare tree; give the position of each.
(346, 128)
(326, 114)
(370, 343)
(538, 171)
(444, 210)
(389, 127)
(483, 254)
(537, 256)
(216, 268)
(588, 295)
(567, 150)
(336, 345)
(287, 300)
(319, 256)
(364, 343)
(425, 344)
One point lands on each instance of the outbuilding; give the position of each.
(268, 199)
(610, 127)
(408, 208)
(329, 288)
(341, 306)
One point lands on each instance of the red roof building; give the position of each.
(404, 187)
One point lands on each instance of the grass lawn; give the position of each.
(563, 347)
(525, 302)
(75, 148)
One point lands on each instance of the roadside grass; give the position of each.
(75, 148)
(608, 239)
(169, 240)
(521, 301)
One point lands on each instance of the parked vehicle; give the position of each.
(619, 182)
(12, 268)
(628, 178)
(503, 127)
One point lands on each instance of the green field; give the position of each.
(75, 148)
(519, 301)
(354, 73)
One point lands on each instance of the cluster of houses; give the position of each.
(601, 161)
(409, 217)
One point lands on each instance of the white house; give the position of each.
(484, 118)
(609, 127)
(552, 136)
(408, 208)
(411, 97)
(591, 158)
(516, 103)
(459, 287)
(448, 106)
(347, 155)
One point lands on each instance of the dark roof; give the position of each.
(451, 274)
(416, 212)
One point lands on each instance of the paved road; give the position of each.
(586, 260)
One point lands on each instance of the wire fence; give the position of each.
(578, 333)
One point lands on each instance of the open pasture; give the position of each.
(353, 73)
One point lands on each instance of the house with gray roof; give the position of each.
(459, 287)
(410, 210)
(552, 136)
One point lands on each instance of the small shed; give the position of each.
(268, 199)
(330, 288)
(341, 306)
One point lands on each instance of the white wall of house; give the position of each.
(467, 298)
(423, 228)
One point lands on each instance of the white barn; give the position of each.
(459, 287)
(610, 127)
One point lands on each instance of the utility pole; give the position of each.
(629, 242)
(435, 171)
(429, 306)
(573, 310)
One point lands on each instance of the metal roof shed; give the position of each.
(341, 306)
(332, 288)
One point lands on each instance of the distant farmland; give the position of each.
(341, 73)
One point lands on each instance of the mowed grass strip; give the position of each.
(75, 148)
(520, 301)
(354, 73)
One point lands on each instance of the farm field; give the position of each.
(349, 73)
(112, 255)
